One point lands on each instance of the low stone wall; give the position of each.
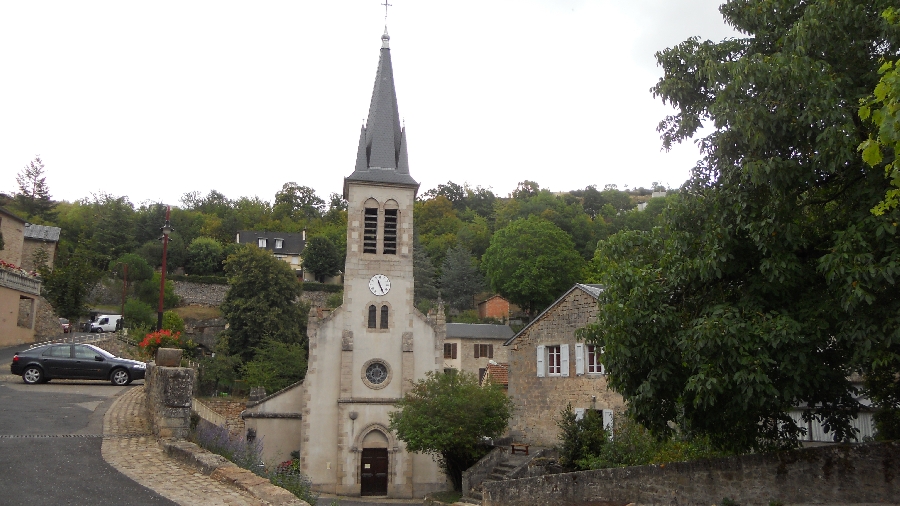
(475, 475)
(169, 391)
(835, 474)
(200, 294)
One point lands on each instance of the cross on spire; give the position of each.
(386, 5)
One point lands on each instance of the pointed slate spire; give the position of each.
(382, 157)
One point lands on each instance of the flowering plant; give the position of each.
(18, 270)
(163, 339)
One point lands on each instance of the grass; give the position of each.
(198, 312)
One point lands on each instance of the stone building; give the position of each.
(366, 353)
(550, 368)
(39, 246)
(19, 291)
(471, 347)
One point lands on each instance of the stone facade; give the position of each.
(170, 391)
(836, 474)
(20, 300)
(366, 354)
(461, 342)
(539, 400)
(30, 250)
(13, 229)
(200, 294)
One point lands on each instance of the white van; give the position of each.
(106, 323)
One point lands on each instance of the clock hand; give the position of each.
(379, 286)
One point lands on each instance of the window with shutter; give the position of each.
(540, 361)
(554, 368)
(579, 359)
(564, 360)
(608, 421)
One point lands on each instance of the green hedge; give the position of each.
(206, 280)
(312, 286)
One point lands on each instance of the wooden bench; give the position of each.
(518, 447)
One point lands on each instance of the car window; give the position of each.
(58, 351)
(84, 352)
(100, 351)
(103, 321)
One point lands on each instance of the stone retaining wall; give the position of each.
(169, 391)
(835, 474)
(200, 294)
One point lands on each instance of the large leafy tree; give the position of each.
(298, 203)
(34, 195)
(460, 279)
(322, 257)
(771, 281)
(448, 415)
(205, 256)
(531, 262)
(424, 289)
(68, 285)
(261, 302)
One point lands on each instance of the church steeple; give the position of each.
(382, 157)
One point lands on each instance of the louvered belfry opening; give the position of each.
(390, 232)
(370, 231)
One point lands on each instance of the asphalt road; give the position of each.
(50, 439)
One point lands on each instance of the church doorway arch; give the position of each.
(374, 464)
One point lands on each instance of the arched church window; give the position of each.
(384, 317)
(390, 232)
(372, 312)
(370, 230)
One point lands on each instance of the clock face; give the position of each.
(380, 284)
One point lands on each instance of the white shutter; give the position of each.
(579, 414)
(600, 359)
(564, 360)
(541, 370)
(579, 359)
(608, 421)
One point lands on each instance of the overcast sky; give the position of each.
(155, 99)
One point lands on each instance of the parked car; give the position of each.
(65, 325)
(74, 361)
(106, 323)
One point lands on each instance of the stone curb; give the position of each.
(224, 471)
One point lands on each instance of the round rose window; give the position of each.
(376, 373)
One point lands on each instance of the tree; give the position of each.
(770, 281)
(322, 257)
(67, 286)
(531, 262)
(276, 365)
(423, 277)
(460, 279)
(261, 302)
(138, 268)
(448, 415)
(34, 196)
(883, 108)
(205, 256)
(148, 292)
(297, 202)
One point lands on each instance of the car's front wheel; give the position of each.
(120, 377)
(32, 375)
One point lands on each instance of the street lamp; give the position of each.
(166, 230)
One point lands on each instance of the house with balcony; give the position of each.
(19, 289)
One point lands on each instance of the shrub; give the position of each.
(236, 448)
(165, 339)
(172, 322)
(139, 314)
(334, 300)
(148, 291)
(205, 256)
(288, 476)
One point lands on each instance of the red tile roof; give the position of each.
(498, 373)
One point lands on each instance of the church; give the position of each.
(366, 354)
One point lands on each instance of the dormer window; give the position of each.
(279, 243)
(262, 241)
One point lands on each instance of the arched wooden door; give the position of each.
(374, 471)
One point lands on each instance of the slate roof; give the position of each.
(479, 331)
(592, 290)
(294, 244)
(382, 156)
(42, 233)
